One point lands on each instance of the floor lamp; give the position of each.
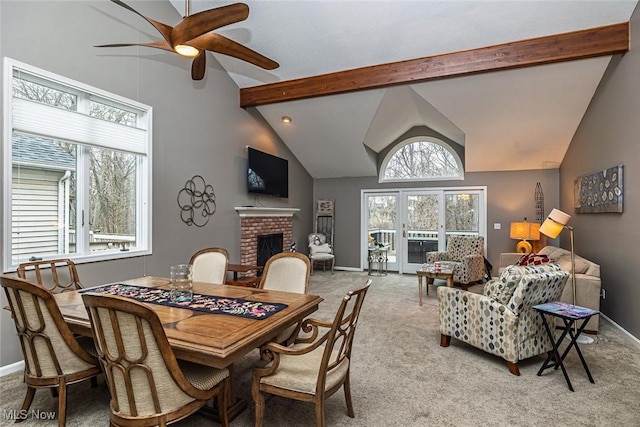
(552, 227)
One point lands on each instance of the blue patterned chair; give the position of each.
(501, 321)
(466, 253)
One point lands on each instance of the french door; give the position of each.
(410, 223)
(381, 221)
(421, 217)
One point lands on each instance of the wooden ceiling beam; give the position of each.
(589, 43)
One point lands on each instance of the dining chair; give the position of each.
(210, 265)
(53, 356)
(147, 384)
(289, 272)
(315, 367)
(286, 271)
(56, 275)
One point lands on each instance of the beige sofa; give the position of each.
(587, 279)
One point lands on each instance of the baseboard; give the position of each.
(621, 329)
(10, 369)
(348, 269)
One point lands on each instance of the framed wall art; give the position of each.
(599, 192)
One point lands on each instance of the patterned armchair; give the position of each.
(502, 321)
(466, 253)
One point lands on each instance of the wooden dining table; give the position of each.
(216, 340)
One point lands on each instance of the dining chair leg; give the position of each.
(62, 401)
(320, 413)
(347, 396)
(27, 400)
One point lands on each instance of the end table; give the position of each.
(378, 260)
(430, 271)
(569, 314)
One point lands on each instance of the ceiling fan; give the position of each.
(193, 36)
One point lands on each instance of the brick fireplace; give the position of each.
(255, 222)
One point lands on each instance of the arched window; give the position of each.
(421, 159)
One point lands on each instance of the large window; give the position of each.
(421, 159)
(77, 170)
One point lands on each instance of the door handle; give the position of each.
(404, 234)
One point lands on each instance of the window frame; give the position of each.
(412, 140)
(143, 175)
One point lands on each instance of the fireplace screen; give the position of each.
(268, 245)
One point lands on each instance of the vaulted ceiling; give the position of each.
(507, 119)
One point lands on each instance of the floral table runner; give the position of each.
(206, 303)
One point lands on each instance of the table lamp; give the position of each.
(524, 231)
(552, 227)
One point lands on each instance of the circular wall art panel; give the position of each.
(197, 202)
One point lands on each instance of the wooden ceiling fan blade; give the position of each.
(199, 66)
(200, 23)
(160, 44)
(164, 29)
(220, 44)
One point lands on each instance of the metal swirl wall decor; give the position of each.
(197, 202)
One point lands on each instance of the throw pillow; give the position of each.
(320, 249)
(502, 290)
(534, 259)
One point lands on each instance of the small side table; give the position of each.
(246, 281)
(378, 261)
(431, 272)
(569, 314)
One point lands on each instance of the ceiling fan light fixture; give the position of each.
(186, 50)
(199, 30)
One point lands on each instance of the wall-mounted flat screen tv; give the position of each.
(267, 174)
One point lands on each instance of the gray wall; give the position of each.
(608, 136)
(198, 126)
(510, 197)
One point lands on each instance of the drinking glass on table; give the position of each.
(181, 286)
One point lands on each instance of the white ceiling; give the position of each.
(507, 120)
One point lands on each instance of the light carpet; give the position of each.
(400, 376)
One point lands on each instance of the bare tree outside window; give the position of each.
(112, 174)
(26, 89)
(422, 159)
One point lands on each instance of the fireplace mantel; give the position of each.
(254, 211)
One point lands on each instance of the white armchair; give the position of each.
(320, 251)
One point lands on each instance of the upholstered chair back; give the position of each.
(147, 384)
(522, 287)
(53, 356)
(50, 350)
(57, 275)
(133, 350)
(287, 271)
(210, 265)
(461, 246)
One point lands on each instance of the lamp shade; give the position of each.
(555, 223)
(525, 230)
